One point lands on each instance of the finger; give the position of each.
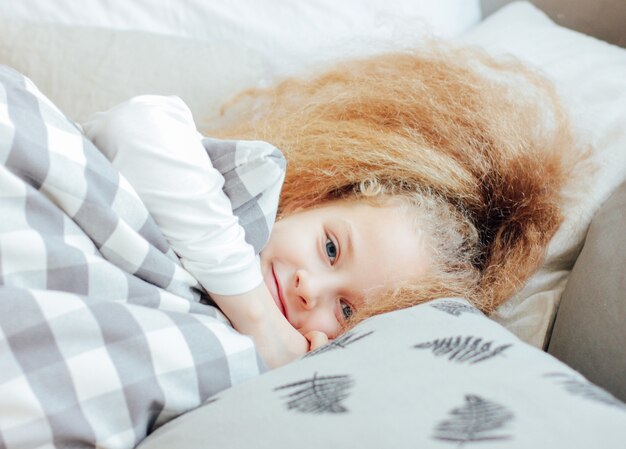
(316, 339)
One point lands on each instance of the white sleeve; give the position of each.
(154, 143)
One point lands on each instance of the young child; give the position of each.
(410, 177)
(318, 266)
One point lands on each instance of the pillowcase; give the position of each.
(590, 76)
(203, 52)
(438, 375)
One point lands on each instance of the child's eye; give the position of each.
(346, 310)
(331, 250)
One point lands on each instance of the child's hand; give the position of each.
(255, 313)
(316, 339)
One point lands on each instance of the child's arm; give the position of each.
(154, 143)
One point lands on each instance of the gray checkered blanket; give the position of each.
(103, 335)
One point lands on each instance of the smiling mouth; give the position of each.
(279, 300)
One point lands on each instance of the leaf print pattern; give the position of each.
(319, 394)
(464, 349)
(581, 387)
(455, 308)
(342, 342)
(476, 420)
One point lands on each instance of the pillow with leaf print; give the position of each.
(437, 375)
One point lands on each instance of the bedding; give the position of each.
(90, 57)
(282, 25)
(437, 375)
(103, 335)
(153, 141)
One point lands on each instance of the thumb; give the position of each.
(316, 339)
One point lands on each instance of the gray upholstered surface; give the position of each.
(603, 19)
(590, 329)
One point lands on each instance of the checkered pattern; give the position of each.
(253, 172)
(103, 335)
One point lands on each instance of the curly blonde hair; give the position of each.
(477, 148)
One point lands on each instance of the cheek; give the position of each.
(277, 241)
(294, 248)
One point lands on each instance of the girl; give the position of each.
(410, 177)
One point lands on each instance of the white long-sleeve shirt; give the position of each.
(153, 141)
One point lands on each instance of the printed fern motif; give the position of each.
(581, 387)
(464, 349)
(476, 420)
(319, 394)
(342, 342)
(455, 308)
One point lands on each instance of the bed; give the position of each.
(106, 341)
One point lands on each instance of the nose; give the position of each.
(309, 288)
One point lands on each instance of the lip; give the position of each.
(279, 296)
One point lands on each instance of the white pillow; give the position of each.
(89, 56)
(288, 23)
(591, 77)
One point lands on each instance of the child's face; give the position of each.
(322, 264)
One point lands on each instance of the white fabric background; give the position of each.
(271, 19)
